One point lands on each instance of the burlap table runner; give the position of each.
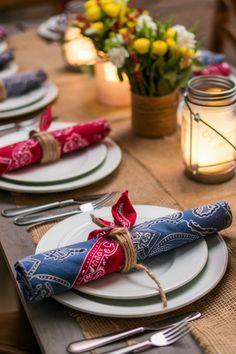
(215, 330)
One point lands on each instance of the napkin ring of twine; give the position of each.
(3, 92)
(51, 150)
(122, 236)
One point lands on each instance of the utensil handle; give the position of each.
(131, 348)
(35, 209)
(89, 344)
(27, 220)
(7, 127)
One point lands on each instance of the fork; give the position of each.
(158, 339)
(11, 212)
(83, 208)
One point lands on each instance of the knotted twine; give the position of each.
(3, 92)
(51, 150)
(122, 236)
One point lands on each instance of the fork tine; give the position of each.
(174, 329)
(103, 200)
(180, 335)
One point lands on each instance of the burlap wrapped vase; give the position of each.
(154, 117)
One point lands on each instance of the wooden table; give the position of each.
(152, 170)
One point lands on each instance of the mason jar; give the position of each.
(208, 132)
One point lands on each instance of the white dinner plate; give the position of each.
(69, 167)
(3, 46)
(51, 94)
(110, 163)
(13, 103)
(203, 283)
(136, 284)
(10, 69)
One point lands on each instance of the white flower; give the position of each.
(146, 20)
(90, 31)
(117, 56)
(118, 39)
(184, 37)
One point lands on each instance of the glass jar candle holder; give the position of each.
(110, 90)
(208, 133)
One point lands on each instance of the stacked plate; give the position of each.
(9, 69)
(53, 28)
(28, 103)
(186, 273)
(72, 171)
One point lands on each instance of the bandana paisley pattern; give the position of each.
(29, 152)
(55, 271)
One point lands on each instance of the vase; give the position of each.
(110, 90)
(154, 117)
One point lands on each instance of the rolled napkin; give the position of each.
(3, 33)
(45, 274)
(49, 146)
(5, 58)
(206, 57)
(216, 69)
(21, 84)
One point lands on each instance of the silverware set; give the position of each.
(25, 215)
(168, 332)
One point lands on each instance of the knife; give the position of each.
(37, 208)
(93, 343)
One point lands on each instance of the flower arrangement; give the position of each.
(157, 57)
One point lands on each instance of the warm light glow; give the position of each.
(110, 89)
(207, 147)
(78, 50)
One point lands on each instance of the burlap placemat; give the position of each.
(215, 331)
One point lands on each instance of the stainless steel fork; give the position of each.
(159, 339)
(96, 204)
(11, 212)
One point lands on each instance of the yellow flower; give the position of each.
(170, 33)
(104, 2)
(190, 53)
(112, 10)
(131, 24)
(123, 31)
(171, 43)
(159, 47)
(142, 45)
(186, 52)
(98, 26)
(90, 3)
(93, 13)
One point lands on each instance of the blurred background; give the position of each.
(215, 19)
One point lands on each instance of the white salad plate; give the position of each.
(110, 163)
(199, 286)
(50, 95)
(69, 167)
(10, 69)
(13, 103)
(189, 259)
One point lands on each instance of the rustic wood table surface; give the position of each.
(152, 171)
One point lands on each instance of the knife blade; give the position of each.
(93, 343)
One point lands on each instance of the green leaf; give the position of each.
(163, 87)
(171, 77)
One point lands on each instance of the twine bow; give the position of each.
(124, 217)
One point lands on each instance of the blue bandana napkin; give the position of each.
(20, 84)
(55, 271)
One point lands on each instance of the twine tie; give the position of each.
(122, 236)
(51, 150)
